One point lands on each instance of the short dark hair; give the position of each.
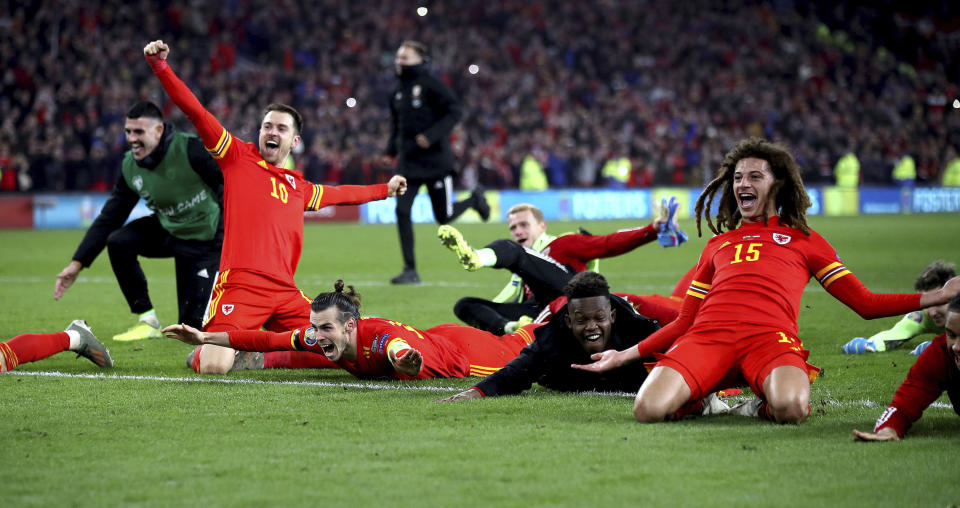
(586, 284)
(935, 275)
(954, 305)
(348, 303)
(283, 108)
(145, 109)
(419, 47)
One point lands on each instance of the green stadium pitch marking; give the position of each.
(867, 403)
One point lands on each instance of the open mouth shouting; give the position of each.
(747, 201)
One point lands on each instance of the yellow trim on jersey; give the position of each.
(10, 357)
(223, 144)
(836, 276)
(314, 203)
(829, 274)
(293, 340)
(525, 335)
(482, 371)
(217, 294)
(699, 289)
(826, 269)
(395, 344)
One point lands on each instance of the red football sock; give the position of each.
(764, 412)
(296, 360)
(30, 347)
(195, 364)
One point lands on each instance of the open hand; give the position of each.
(884, 434)
(184, 333)
(410, 363)
(469, 394)
(602, 362)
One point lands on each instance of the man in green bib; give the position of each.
(183, 187)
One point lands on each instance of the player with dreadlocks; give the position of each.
(738, 321)
(376, 347)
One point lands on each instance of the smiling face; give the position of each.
(590, 319)
(278, 135)
(143, 135)
(753, 184)
(952, 324)
(338, 340)
(525, 228)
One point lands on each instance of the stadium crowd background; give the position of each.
(574, 84)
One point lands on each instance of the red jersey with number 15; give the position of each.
(755, 274)
(263, 204)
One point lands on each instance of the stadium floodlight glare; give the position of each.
(473, 69)
(351, 102)
(421, 11)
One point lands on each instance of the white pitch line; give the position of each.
(326, 384)
(399, 386)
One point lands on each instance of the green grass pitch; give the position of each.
(309, 438)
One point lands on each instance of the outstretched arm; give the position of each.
(190, 335)
(328, 195)
(215, 138)
(869, 305)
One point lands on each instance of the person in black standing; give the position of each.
(423, 111)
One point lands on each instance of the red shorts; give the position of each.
(244, 300)
(485, 352)
(720, 357)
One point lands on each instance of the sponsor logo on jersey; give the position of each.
(138, 182)
(227, 308)
(292, 181)
(781, 238)
(310, 337)
(751, 237)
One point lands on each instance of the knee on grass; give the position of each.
(647, 411)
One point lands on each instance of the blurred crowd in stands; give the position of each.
(591, 92)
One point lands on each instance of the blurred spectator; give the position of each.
(669, 82)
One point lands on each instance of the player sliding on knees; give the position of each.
(375, 347)
(738, 321)
(263, 210)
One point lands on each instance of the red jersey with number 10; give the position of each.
(263, 204)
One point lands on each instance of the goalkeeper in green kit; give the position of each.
(929, 320)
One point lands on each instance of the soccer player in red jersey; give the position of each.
(376, 347)
(937, 370)
(263, 209)
(31, 347)
(738, 321)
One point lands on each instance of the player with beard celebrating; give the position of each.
(376, 347)
(263, 208)
(738, 321)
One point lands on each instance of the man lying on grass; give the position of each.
(592, 321)
(376, 347)
(937, 369)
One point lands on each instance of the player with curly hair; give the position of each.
(738, 321)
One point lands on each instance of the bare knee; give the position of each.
(646, 411)
(215, 360)
(793, 410)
